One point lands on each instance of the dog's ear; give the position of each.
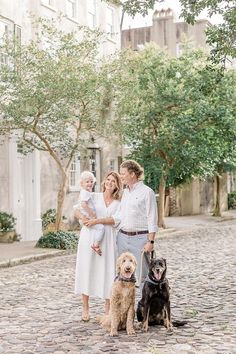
(118, 265)
(164, 260)
(152, 262)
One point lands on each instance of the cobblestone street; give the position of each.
(40, 314)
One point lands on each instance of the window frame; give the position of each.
(110, 27)
(75, 169)
(8, 30)
(48, 2)
(73, 14)
(92, 13)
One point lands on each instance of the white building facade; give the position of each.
(28, 184)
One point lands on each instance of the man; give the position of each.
(137, 217)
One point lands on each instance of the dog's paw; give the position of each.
(113, 334)
(145, 326)
(170, 330)
(131, 332)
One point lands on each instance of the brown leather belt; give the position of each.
(133, 233)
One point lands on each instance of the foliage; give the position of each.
(166, 110)
(133, 7)
(49, 217)
(232, 200)
(177, 115)
(221, 37)
(52, 91)
(7, 222)
(61, 240)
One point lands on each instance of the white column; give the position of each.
(37, 222)
(16, 195)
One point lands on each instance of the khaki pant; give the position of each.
(135, 244)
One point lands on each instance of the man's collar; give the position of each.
(135, 186)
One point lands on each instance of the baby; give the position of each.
(87, 208)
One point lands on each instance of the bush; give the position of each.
(232, 200)
(49, 217)
(7, 222)
(64, 240)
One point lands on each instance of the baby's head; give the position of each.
(87, 180)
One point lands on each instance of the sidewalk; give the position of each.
(189, 222)
(15, 253)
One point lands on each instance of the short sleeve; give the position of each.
(84, 195)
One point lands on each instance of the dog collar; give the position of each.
(132, 279)
(152, 281)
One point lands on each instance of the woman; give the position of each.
(95, 274)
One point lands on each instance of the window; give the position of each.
(112, 165)
(47, 2)
(4, 30)
(178, 50)
(71, 8)
(75, 174)
(92, 13)
(17, 33)
(4, 33)
(110, 22)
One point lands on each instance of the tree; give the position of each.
(51, 92)
(133, 7)
(221, 37)
(224, 101)
(167, 117)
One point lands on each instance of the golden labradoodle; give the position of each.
(121, 315)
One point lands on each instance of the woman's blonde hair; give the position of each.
(118, 190)
(133, 166)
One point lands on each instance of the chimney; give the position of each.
(163, 30)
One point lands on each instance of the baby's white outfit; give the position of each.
(97, 230)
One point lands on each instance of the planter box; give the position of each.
(51, 228)
(7, 236)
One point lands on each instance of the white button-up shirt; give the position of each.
(138, 209)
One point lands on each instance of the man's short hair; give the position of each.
(133, 166)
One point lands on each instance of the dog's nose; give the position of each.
(127, 269)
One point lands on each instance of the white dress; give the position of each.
(95, 274)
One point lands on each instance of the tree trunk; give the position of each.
(161, 203)
(217, 209)
(60, 201)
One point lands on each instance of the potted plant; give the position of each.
(49, 219)
(7, 227)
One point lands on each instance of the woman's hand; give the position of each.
(90, 222)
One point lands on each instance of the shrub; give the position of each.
(7, 222)
(64, 240)
(49, 217)
(232, 200)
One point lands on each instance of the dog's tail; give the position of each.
(179, 323)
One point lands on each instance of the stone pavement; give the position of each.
(40, 314)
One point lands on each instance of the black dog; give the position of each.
(154, 306)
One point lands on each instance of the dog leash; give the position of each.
(153, 256)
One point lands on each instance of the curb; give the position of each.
(32, 258)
